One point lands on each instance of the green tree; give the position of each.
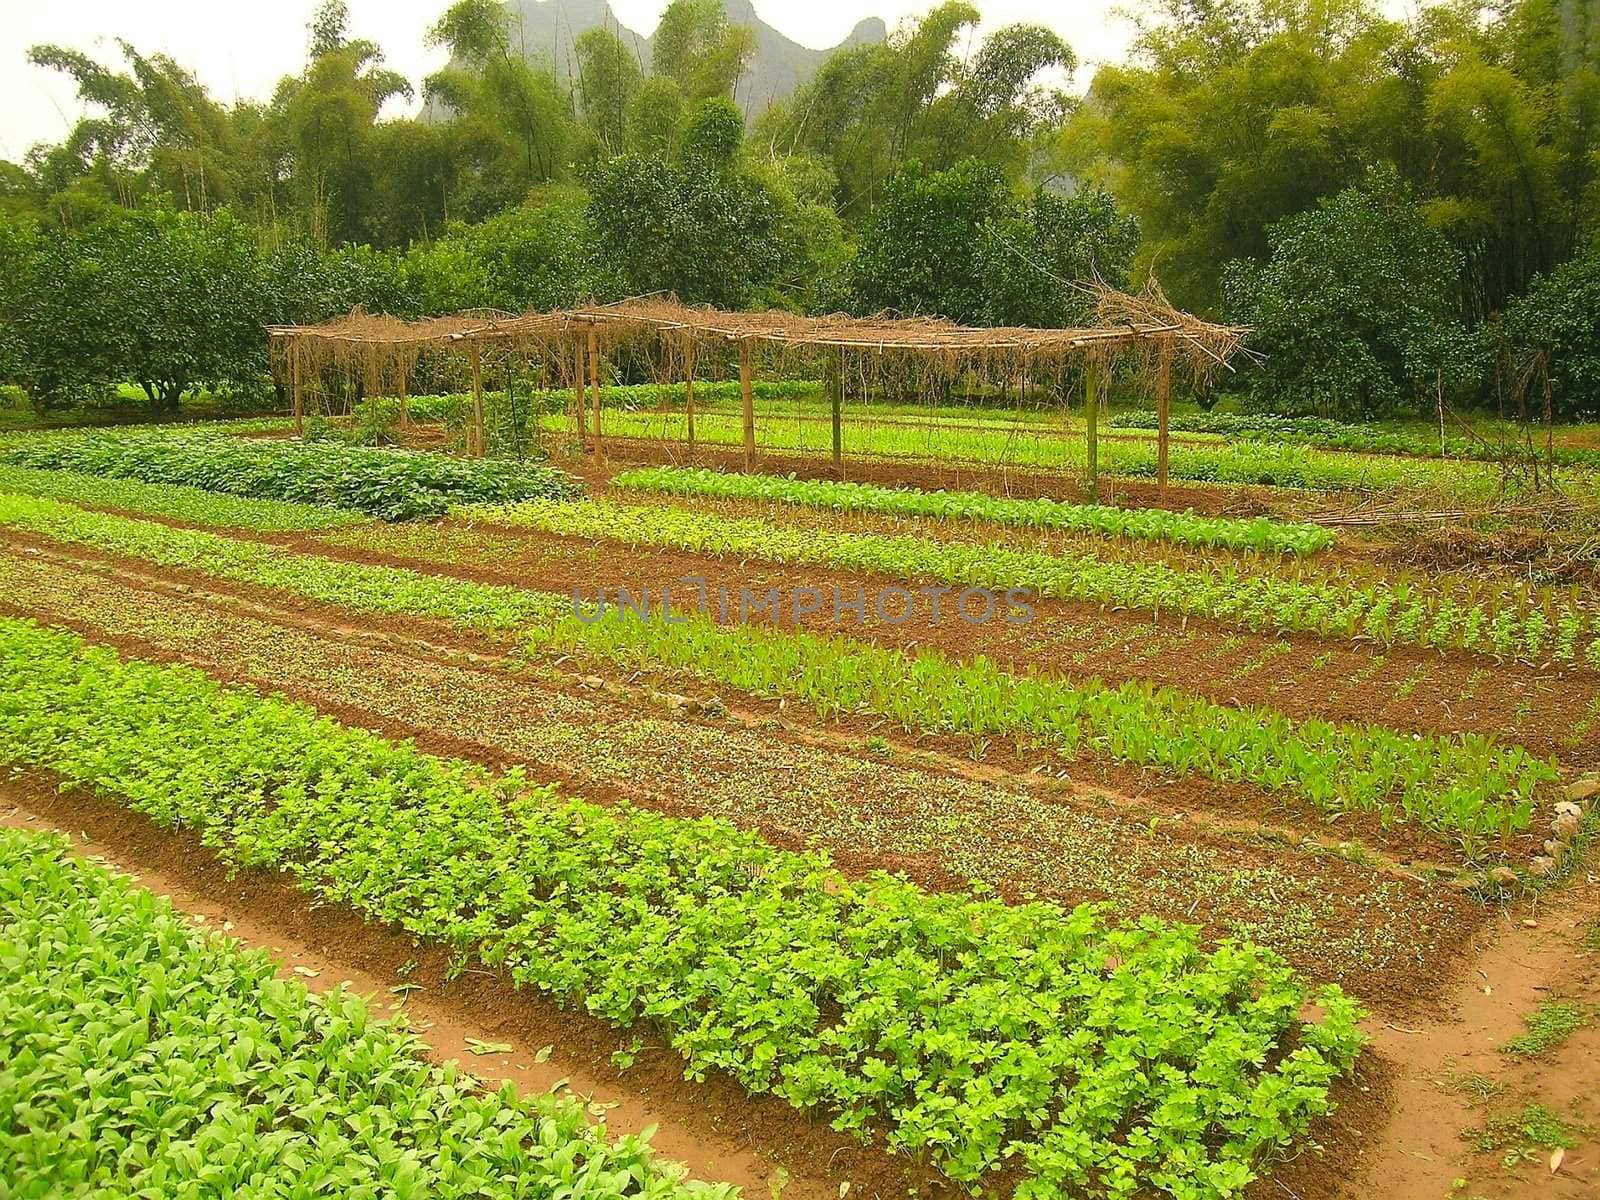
(609, 78)
(696, 48)
(1356, 310)
(1559, 316)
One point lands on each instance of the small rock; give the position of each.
(1542, 865)
(1566, 827)
(1554, 848)
(591, 681)
(1569, 808)
(1504, 876)
(1582, 789)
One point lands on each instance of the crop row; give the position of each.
(141, 1057)
(1340, 435)
(1387, 611)
(173, 500)
(1185, 528)
(391, 484)
(445, 406)
(1467, 788)
(1247, 463)
(974, 1033)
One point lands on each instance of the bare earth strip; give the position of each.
(1382, 932)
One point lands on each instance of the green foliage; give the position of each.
(1467, 787)
(967, 1030)
(1519, 1137)
(1507, 625)
(392, 484)
(1552, 1023)
(172, 500)
(1559, 315)
(1339, 435)
(168, 300)
(1355, 309)
(957, 244)
(1185, 528)
(144, 1056)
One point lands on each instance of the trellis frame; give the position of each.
(1144, 329)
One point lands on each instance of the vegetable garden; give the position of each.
(1115, 892)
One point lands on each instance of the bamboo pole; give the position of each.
(405, 414)
(688, 389)
(579, 407)
(475, 447)
(838, 417)
(294, 386)
(1091, 421)
(594, 383)
(745, 387)
(1163, 415)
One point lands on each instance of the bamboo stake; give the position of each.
(475, 447)
(1163, 415)
(594, 382)
(405, 414)
(579, 408)
(838, 417)
(749, 406)
(688, 389)
(1091, 420)
(294, 386)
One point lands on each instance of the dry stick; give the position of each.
(749, 405)
(594, 383)
(475, 447)
(405, 415)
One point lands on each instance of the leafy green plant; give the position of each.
(392, 484)
(971, 1032)
(144, 1057)
(1185, 528)
(1384, 611)
(1552, 1023)
(173, 500)
(1467, 787)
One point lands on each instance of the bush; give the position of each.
(1560, 316)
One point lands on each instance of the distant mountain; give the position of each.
(777, 68)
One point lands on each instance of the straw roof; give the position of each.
(1141, 323)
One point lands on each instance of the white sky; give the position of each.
(242, 49)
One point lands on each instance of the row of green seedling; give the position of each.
(1154, 524)
(974, 1035)
(1467, 788)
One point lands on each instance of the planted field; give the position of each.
(1034, 907)
(144, 1056)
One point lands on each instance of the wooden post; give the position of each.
(475, 444)
(594, 382)
(1091, 422)
(405, 415)
(579, 408)
(688, 387)
(294, 387)
(838, 416)
(1163, 414)
(749, 405)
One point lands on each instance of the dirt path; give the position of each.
(1453, 1075)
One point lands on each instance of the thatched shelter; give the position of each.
(383, 351)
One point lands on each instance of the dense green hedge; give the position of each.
(392, 484)
(971, 1032)
(142, 1057)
